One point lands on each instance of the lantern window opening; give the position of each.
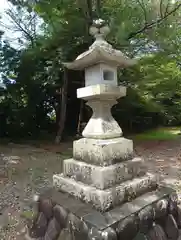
(108, 75)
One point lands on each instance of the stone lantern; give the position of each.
(103, 171)
(105, 192)
(101, 89)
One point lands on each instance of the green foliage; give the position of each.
(147, 30)
(159, 134)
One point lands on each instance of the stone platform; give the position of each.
(104, 173)
(152, 216)
(103, 152)
(106, 197)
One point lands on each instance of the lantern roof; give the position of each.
(100, 51)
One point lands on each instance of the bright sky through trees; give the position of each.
(6, 25)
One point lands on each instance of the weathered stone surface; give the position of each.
(103, 177)
(104, 90)
(156, 233)
(46, 206)
(100, 51)
(179, 216)
(105, 199)
(94, 234)
(103, 152)
(78, 227)
(53, 230)
(39, 227)
(172, 206)
(128, 228)
(60, 215)
(179, 238)
(86, 223)
(161, 208)
(95, 72)
(140, 236)
(102, 125)
(65, 235)
(146, 217)
(138, 186)
(10, 159)
(109, 234)
(171, 228)
(95, 218)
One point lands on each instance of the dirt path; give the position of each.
(26, 171)
(164, 158)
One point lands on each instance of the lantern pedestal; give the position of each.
(104, 193)
(101, 98)
(103, 171)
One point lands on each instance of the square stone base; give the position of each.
(61, 217)
(107, 198)
(103, 177)
(103, 152)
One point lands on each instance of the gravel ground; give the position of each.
(26, 171)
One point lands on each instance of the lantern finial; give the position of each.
(99, 29)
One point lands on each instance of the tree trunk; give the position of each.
(79, 127)
(89, 10)
(98, 8)
(62, 118)
(81, 109)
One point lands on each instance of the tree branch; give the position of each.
(144, 9)
(86, 8)
(161, 8)
(19, 26)
(167, 7)
(150, 25)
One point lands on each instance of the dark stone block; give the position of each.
(141, 236)
(161, 208)
(83, 222)
(61, 215)
(65, 235)
(173, 204)
(78, 227)
(97, 220)
(156, 233)
(94, 234)
(146, 217)
(69, 203)
(179, 216)
(171, 228)
(53, 230)
(40, 226)
(109, 234)
(128, 228)
(46, 206)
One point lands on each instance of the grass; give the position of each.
(28, 214)
(161, 134)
